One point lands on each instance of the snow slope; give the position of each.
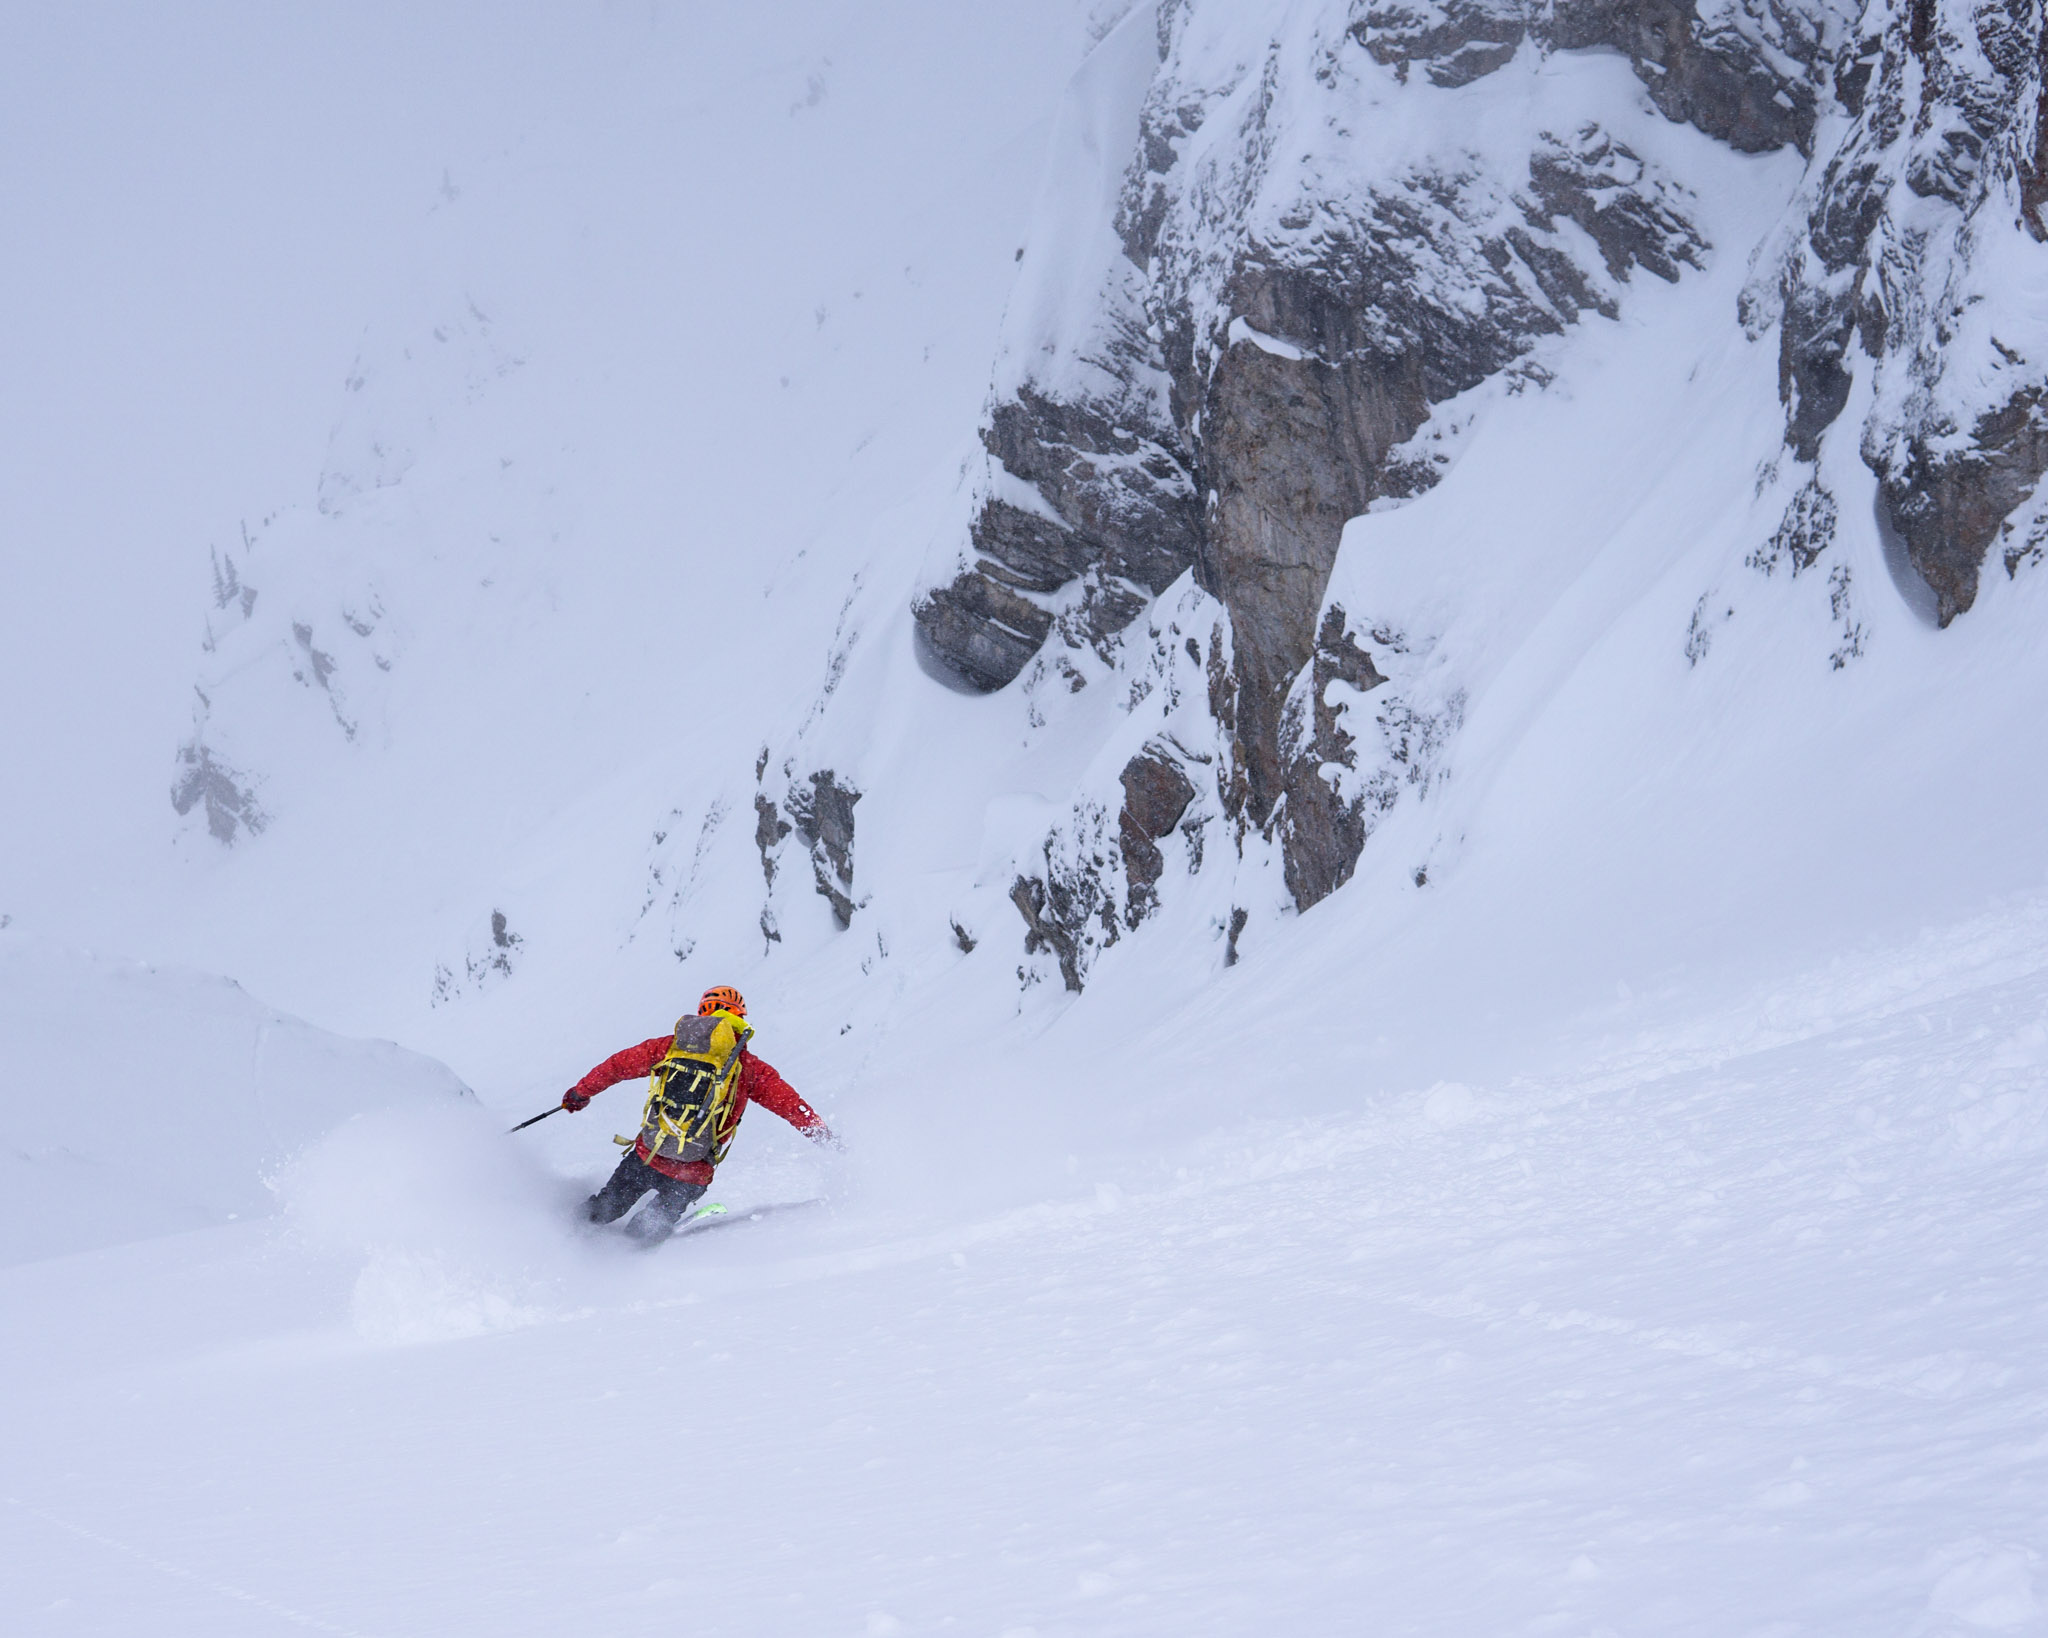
(1616, 1209)
(1728, 1325)
(650, 301)
(142, 1102)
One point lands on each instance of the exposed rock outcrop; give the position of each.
(819, 809)
(823, 817)
(1099, 871)
(1749, 75)
(1911, 225)
(1280, 327)
(1341, 341)
(1068, 906)
(984, 625)
(1454, 41)
(770, 831)
(1156, 793)
(494, 951)
(1808, 529)
(1310, 345)
(1068, 898)
(1260, 360)
(228, 799)
(1086, 496)
(1950, 497)
(1329, 818)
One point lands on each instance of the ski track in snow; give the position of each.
(234, 1594)
(1685, 1341)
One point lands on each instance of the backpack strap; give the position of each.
(714, 1094)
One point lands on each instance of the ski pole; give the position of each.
(543, 1115)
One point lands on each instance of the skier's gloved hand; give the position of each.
(573, 1101)
(825, 1138)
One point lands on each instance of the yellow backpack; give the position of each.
(691, 1095)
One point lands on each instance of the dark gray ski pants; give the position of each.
(633, 1178)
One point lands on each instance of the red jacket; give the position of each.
(758, 1084)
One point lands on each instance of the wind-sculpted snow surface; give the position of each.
(142, 1102)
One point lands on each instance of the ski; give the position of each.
(698, 1216)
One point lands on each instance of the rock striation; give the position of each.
(1092, 498)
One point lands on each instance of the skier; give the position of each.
(700, 1081)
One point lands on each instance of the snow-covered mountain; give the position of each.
(1354, 683)
(1287, 276)
(1292, 275)
(1333, 247)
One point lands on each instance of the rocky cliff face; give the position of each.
(1298, 300)
(1320, 239)
(1094, 504)
(1259, 361)
(1751, 73)
(1917, 227)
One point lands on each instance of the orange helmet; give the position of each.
(722, 998)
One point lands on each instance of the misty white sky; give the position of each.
(200, 203)
(204, 206)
